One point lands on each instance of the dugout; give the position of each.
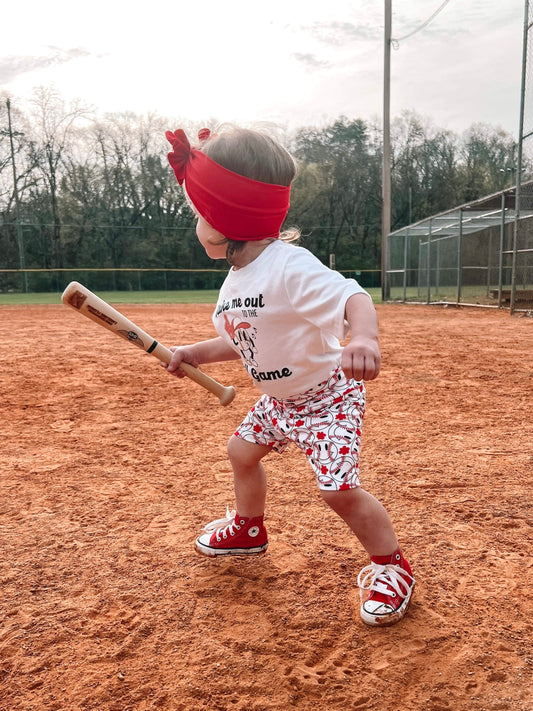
(465, 255)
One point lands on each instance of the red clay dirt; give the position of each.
(110, 468)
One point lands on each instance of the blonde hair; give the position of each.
(256, 155)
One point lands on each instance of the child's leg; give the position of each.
(388, 580)
(242, 532)
(366, 517)
(249, 476)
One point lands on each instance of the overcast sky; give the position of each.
(296, 62)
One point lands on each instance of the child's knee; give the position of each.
(242, 452)
(343, 500)
(233, 447)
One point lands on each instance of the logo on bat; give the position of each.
(132, 337)
(77, 299)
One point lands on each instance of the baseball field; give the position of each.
(110, 468)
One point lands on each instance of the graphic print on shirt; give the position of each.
(242, 334)
(245, 336)
(297, 306)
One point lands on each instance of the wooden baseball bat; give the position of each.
(83, 300)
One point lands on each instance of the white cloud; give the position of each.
(289, 61)
(12, 67)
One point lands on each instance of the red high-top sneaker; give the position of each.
(233, 535)
(390, 584)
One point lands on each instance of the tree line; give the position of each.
(82, 191)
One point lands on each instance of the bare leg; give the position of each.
(366, 517)
(249, 476)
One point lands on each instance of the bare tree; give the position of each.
(19, 136)
(54, 124)
(425, 169)
(488, 161)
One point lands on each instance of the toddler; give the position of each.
(283, 313)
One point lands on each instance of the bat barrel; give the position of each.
(83, 300)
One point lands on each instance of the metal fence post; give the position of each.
(500, 265)
(460, 257)
(405, 265)
(489, 260)
(429, 264)
(418, 271)
(437, 270)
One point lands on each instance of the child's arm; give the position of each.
(361, 357)
(212, 351)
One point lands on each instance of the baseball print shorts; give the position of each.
(325, 423)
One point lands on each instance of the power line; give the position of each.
(395, 42)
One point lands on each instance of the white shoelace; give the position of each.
(381, 578)
(223, 526)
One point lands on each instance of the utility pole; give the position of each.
(18, 224)
(386, 174)
(518, 191)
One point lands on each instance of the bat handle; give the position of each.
(224, 394)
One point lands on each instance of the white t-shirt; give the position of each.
(284, 314)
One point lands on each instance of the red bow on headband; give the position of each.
(181, 151)
(238, 207)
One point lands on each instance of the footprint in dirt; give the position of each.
(392, 653)
(286, 558)
(62, 425)
(497, 574)
(223, 472)
(312, 674)
(168, 527)
(231, 591)
(142, 491)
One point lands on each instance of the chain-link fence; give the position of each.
(465, 255)
(55, 280)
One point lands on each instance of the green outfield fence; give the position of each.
(131, 279)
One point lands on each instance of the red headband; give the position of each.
(238, 207)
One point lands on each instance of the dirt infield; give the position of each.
(110, 468)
